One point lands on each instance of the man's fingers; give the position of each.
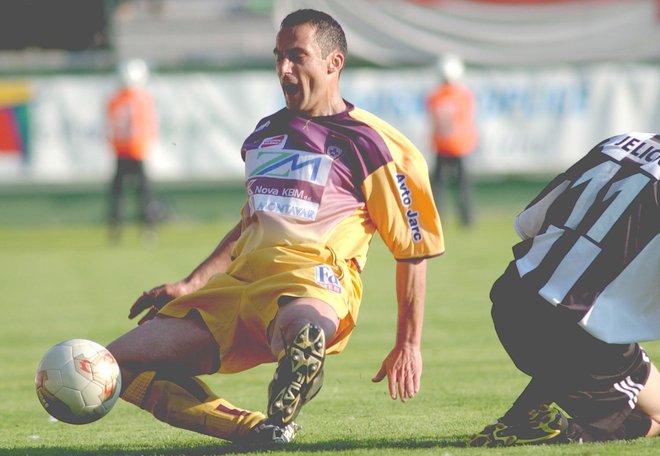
(155, 298)
(403, 376)
(402, 390)
(143, 302)
(407, 385)
(380, 375)
(411, 387)
(149, 315)
(392, 383)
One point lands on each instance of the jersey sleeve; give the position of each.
(400, 202)
(530, 221)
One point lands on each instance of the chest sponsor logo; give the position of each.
(326, 277)
(286, 182)
(282, 205)
(273, 142)
(287, 164)
(412, 216)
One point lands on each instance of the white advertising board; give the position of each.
(536, 121)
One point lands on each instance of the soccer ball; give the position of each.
(78, 381)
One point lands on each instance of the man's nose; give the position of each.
(284, 66)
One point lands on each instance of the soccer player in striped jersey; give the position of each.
(322, 177)
(580, 295)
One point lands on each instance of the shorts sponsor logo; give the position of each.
(412, 216)
(326, 277)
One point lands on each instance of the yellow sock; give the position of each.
(189, 404)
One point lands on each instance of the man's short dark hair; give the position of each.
(329, 34)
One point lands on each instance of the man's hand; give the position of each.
(403, 368)
(155, 299)
(217, 262)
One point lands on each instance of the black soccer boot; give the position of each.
(267, 435)
(546, 424)
(298, 377)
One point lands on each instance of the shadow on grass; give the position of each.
(339, 446)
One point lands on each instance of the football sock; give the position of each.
(187, 402)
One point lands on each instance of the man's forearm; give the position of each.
(218, 261)
(410, 290)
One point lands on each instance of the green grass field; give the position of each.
(61, 281)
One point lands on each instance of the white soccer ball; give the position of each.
(78, 381)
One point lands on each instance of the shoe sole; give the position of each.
(305, 356)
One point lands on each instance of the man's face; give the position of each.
(302, 70)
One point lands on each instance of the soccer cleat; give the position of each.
(266, 434)
(547, 424)
(298, 377)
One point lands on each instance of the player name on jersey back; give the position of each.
(642, 148)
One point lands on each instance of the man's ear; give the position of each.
(336, 62)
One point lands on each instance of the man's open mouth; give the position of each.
(290, 89)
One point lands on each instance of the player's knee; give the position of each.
(649, 398)
(654, 429)
(295, 326)
(288, 332)
(293, 317)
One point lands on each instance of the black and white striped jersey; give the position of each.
(591, 243)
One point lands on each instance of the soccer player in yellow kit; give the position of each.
(322, 176)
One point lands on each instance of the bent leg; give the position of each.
(159, 361)
(298, 336)
(535, 393)
(293, 314)
(182, 345)
(649, 400)
(569, 367)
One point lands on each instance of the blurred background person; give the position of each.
(132, 131)
(451, 110)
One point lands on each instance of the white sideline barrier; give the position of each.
(529, 120)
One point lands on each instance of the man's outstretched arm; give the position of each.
(403, 365)
(218, 261)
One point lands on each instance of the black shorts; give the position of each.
(595, 382)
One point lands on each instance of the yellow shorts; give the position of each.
(237, 306)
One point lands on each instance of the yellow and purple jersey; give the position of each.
(331, 182)
(318, 189)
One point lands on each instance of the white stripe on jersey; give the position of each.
(638, 287)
